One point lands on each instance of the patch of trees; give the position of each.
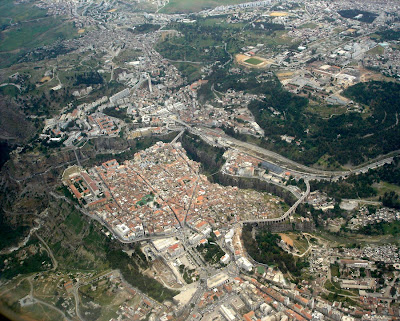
(188, 71)
(230, 131)
(265, 249)
(132, 274)
(299, 183)
(45, 104)
(209, 156)
(391, 199)
(356, 186)
(388, 35)
(199, 43)
(88, 78)
(211, 251)
(381, 228)
(204, 93)
(248, 81)
(32, 263)
(187, 273)
(382, 96)
(144, 28)
(287, 103)
(46, 52)
(346, 138)
(389, 172)
(117, 113)
(318, 215)
(368, 17)
(252, 82)
(10, 234)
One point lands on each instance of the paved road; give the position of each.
(306, 172)
(178, 136)
(32, 300)
(288, 213)
(300, 169)
(285, 163)
(77, 301)
(53, 259)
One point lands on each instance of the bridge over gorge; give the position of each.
(287, 214)
(287, 164)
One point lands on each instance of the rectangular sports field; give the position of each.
(253, 61)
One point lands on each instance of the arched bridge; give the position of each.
(288, 213)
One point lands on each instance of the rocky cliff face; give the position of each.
(29, 175)
(15, 128)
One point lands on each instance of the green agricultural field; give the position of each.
(74, 221)
(309, 25)
(260, 269)
(220, 22)
(325, 110)
(385, 187)
(204, 41)
(191, 71)
(35, 33)
(11, 13)
(253, 61)
(377, 50)
(187, 6)
(9, 90)
(269, 39)
(34, 29)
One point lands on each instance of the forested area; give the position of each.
(88, 78)
(266, 26)
(318, 215)
(381, 228)
(211, 251)
(117, 113)
(391, 199)
(210, 157)
(361, 186)
(10, 234)
(35, 262)
(387, 35)
(355, 186)
(130, 270)
(364, 16)
(198, 43)
(381, 96)
(348, 138)
(265, 249)
(144, 28)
